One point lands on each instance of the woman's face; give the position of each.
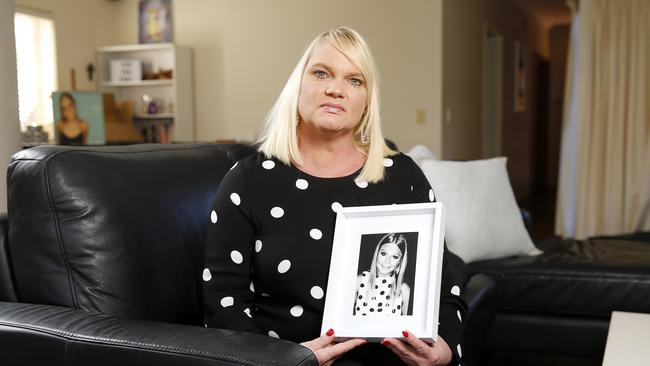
(333, 92)
(67, 109)
(388, 258)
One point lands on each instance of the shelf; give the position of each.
(137, 47)
(139, 83)
(154, 116)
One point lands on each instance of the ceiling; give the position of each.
(547, 13)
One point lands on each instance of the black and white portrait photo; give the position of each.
(385, 274)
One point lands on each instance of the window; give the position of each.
(36, 64)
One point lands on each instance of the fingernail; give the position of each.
(405, 333)
(330, 332)
(383, 343)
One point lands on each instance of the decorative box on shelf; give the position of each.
(126, 70)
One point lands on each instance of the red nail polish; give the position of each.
(383, 343)
(330, 332)
(405, 333)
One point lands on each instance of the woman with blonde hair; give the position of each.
(270, 241)
(381, 289)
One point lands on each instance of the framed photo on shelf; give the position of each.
(385, 272)
(78, 118)
(155, 21)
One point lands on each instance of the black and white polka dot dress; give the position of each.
(270, 243)
(377, 300)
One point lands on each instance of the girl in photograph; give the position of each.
(381, 290)
(71, 129)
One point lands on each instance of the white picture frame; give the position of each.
(358, 234)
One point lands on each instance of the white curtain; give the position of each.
(36, 63)
(604, 185)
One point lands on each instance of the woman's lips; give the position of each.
(332, 108)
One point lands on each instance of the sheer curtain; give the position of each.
(36, 63)
(604, 185)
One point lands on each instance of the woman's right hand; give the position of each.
(327, 351)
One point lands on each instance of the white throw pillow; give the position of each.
(420, 153)
(483, 219)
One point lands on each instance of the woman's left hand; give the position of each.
(417, 352)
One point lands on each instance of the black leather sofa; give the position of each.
(101, 254)
(554, 309)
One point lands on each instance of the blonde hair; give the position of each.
(400, 241)
(279, 136)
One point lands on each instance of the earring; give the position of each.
(364, 138)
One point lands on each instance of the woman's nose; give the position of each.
(334, 90)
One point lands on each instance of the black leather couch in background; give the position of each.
(101, 255)
(554, 309)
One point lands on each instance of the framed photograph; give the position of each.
(385, 272)
(78, 118)
(155, 21)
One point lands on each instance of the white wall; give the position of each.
(244, 51)
(80, 27)
(9, 125)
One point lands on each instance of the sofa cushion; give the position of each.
(483, 219)
(81, 236)
(590, 277)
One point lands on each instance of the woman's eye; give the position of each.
(356, 82)
(383, 254)
(395, 257)
(320, 74)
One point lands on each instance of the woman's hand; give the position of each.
(417, 352)
(327, 351)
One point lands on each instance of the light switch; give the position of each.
(420, 116)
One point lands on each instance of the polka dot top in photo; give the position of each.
(270, 242)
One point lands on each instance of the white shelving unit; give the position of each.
(174, 97)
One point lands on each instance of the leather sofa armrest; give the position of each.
(42, 334)
(7, 290)
(481, 296)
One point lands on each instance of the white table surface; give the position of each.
(628, 340)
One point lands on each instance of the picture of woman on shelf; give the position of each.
(382, 289)
(71, 130)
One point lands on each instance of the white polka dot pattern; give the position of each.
(388, 162)
(273, 334)
(315, 234)
(458, 315)
(302, 184)
(258, 246)
(227, 301)
(336, 206)
(207, 276)
(460, 353)
(361, 183)
(277, 212)
(236, 257)
(296, 311)
(247, 311)
(317, 292)
(213, 216)
(284, 266)
(432, 196)
(252, 287)
(268, 164)
(455, 290)
(234, 197)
